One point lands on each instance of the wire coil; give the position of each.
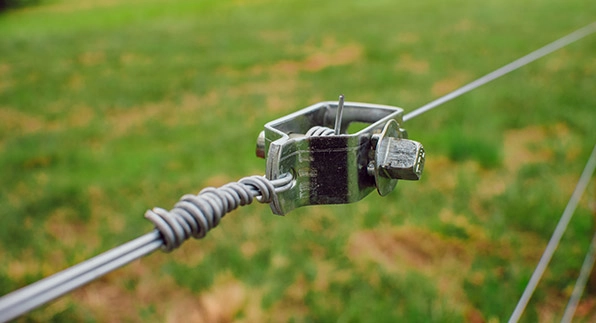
(320, 131)
(194, 215)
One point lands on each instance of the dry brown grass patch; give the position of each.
(274, 35)
(217, 180)
(409, 64)
(127, 120)
(474, 232)
(70, 233)
(557, 62)
(450, 83)
(408, 38)
(110, 301)
(437, 177)
(221, 304)
(343, 55)
(445, 261)
(525, 146)
(465, 25)
(327, 273)
(292, 306)
(4, 70)
(282, 82)
(29, 265)
(329, 54)
(19, 122)
(492, 183)
(79, 116)
(135, 59)
(92, 58)
(406, 247)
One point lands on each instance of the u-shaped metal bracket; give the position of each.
(331, 169)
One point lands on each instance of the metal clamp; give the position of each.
(331, 166)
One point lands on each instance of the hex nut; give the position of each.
(401, 158)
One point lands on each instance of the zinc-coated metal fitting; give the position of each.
(395, 158)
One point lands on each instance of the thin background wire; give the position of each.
(553, 243)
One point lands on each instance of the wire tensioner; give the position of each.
(331, 166)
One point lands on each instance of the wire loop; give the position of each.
(194, 215)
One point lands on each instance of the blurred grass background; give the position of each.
(108, 108)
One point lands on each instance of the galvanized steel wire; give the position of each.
(192, 216)
(555, 239)
(580, 283)
(525, 60)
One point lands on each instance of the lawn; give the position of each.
(109, 108)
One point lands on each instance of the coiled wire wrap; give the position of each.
(194, 215)
(320, 131)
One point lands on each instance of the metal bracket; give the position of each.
(335, 167)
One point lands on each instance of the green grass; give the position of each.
(111, 108)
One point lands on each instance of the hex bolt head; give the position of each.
(400, 158)
(395, 158)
